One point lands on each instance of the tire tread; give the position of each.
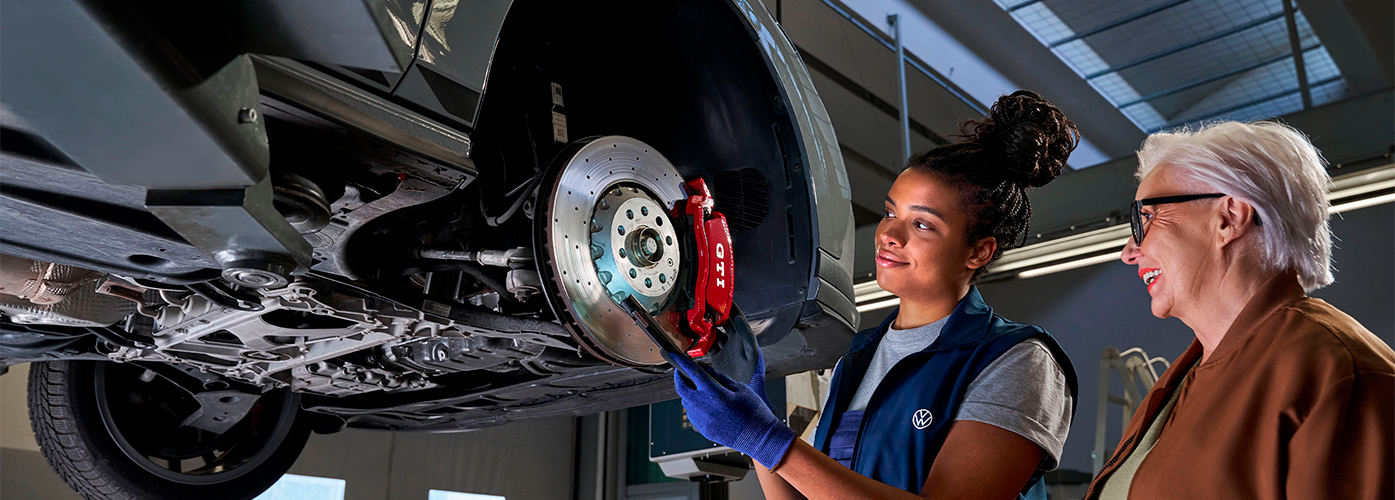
(59, 442)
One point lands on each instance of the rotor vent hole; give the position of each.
(743, 196)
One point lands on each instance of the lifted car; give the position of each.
(226, 225)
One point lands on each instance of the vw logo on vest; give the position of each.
(922, 418)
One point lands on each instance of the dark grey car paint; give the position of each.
(452, 63)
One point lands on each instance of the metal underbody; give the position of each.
(381, 254)
(304, 330)
(326, 334)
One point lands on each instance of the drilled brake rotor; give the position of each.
(607, 234)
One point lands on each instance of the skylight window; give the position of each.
(1171, 63)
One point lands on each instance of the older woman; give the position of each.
(1280, 395)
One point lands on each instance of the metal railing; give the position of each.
(1135, 369)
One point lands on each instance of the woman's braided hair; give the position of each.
(1023, 142)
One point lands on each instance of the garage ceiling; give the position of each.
(1170, 63)
(1149, 47)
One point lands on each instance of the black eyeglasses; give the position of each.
(1136, 222)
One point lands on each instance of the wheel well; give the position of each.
(688, 78)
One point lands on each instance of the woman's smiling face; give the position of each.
(1177, 257)
(922, 245)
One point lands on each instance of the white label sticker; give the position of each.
(436, 308)
(557, 95)
(559, 127)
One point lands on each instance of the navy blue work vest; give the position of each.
(895, 444)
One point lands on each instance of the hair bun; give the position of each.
(1032, 138)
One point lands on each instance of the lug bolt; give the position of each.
(668, 240)
(622, 253)
(630, 214)
(644, 210)
(622, 230)
(648, 283)
(633, 274)
(662, 278)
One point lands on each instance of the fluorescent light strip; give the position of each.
(1374, 179)
(1115, 243)
(1363, 189)
(878, 305)
(865, 287)
(1368, 202)
(1066, 266)
(1058, 245)
(873, 295)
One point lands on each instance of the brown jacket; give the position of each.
(1297, 401)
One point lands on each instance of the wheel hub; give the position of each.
(635, 246)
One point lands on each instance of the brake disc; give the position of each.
(606, 233)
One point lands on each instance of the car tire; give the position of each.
(77, 435)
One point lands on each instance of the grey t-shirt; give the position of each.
(1023, 391)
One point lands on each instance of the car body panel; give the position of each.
(823, 163)
(369, 35)
(452, 60)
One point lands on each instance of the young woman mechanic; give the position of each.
(945, 398)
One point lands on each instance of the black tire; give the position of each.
(77, 433)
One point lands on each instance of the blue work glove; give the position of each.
(757, 383)
(731, 413)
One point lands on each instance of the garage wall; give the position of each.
(522, 461)
(23, 471)
(1092, 308)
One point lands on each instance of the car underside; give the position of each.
(384, 261)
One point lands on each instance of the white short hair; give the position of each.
(1269, 165)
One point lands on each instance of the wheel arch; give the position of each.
(720, 90)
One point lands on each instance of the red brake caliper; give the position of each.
(712, 291)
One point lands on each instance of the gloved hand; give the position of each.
(732, 413)
(757, 383)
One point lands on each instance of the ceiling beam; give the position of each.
(1357, 34)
